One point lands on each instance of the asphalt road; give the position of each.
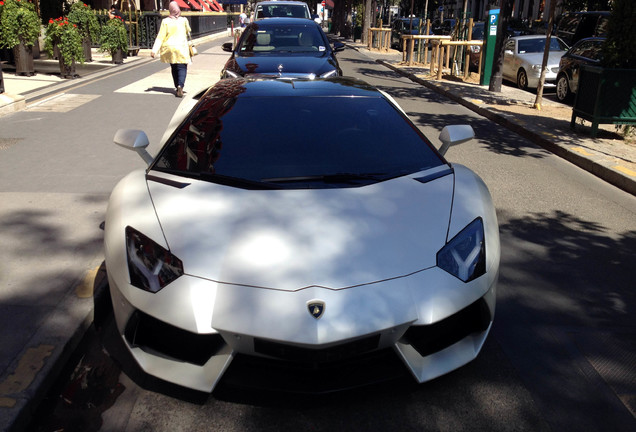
(561, 355)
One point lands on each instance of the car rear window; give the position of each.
(282, 38)
(258, 139)
(282, 10)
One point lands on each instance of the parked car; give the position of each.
(276, 47)
(574, 26)
(405, 26)
(282, 8)
(523, 57)
(256, 239)
(475, 51)
(445, 27)
(586, 51)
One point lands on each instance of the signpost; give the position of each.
(490, 39)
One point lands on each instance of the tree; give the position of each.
(546, 55)
(619, 50)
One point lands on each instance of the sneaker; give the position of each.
(179, 92)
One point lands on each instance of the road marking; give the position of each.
(28, 366)
(62, 103)
(160, 83)
(86, 288)
(582, 151)
(624, 170)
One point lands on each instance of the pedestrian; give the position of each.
(242, 19)
(172, 46)
(115, 12)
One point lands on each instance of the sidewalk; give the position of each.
(26, 373)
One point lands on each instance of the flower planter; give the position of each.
(605, 96)
(118, 56)
(88, 53)
(23, 59)
(67, 71)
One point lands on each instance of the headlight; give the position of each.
(536, 68)
(329, 74)
(465, 255)
(150, 266)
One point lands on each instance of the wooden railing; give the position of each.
(441, 55)
(408, 46)
(379, 39)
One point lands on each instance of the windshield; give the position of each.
(527, 46)
(282, 38)
(282, 10)
(296, 142)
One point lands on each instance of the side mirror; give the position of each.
(227, 47)
(136, 140)
(453, 135)
(338, 46)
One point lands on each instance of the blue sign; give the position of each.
(493, 16)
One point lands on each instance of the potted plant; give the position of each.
(82, 15)
(19, 29)
(64, 38)
(114, 39)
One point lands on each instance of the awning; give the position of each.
(182, 4)
(195, 5)
(206, 6)
(212, 5)
(215, 5)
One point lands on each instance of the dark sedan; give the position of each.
(282, 47)
(586, 51)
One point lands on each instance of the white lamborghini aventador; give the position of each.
(299, 226)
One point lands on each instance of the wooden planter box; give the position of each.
(605, 96)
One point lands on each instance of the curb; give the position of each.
(603, 172)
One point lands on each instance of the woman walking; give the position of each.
(172, 46)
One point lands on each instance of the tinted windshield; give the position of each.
(296, 142)
(282, 38)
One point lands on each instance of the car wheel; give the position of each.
(563, 92)
(522, 79)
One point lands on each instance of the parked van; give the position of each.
(574, 26)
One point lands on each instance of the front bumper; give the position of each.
(205, 326)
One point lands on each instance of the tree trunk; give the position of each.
(502, 26)
(366, 23)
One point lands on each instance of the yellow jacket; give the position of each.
(172, 41)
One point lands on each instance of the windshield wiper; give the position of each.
(331, 178)
(223, 179)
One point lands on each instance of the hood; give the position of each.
(292, 239)
(295, 64)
